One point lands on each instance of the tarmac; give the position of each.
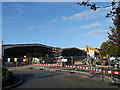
(50, 69)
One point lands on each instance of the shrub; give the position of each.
(6, 73)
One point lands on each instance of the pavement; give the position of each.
(55, 78)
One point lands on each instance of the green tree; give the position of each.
(114, 38)
(104, 48)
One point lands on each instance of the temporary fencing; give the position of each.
(95, 72)
(48, 64)
(73, 63)
(80, 67)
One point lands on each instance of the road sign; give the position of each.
(112, 58)
(15, 59)
(8, 59)
(64, 60)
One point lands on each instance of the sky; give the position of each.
(57, 24)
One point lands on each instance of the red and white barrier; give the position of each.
(111, 72)
(55, 65)
(93, 69)
(48, 64)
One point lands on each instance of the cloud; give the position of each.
(36, 8)
(96, 32)
(40, 26)
(56, 0)
(107, 8)
(93, 25)
(19, 7)
(35, 27)
(13, 18)
(72, 29)
(85, 15)
(30, 27)
(109, 21)
(51, 21)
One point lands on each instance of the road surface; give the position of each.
(35, 78)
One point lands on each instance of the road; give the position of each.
(35, 78)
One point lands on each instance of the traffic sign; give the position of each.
(64, 60)
(15, 59)
(8, 59)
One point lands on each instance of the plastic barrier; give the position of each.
(48, 64)
(93, 69)
(99, 70)
(111, 72)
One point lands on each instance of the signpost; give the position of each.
(64, 60)
(8, 60)
(15, 60)
(71, 60)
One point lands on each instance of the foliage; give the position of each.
(112, 46)
(112, 50)
(94, 7)
(114, 38)
(104, 48)
(6, 73)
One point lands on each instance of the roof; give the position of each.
(22, 45)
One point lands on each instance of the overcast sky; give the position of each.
(58, 24)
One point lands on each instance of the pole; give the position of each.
(16, 64)
(110, 65)
(71, 60)
(91, 72)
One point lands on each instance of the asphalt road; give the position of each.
(35, 78)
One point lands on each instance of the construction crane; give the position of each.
(87, 51)
(90, 48)
(101, 58)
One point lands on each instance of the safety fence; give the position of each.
(111, 72)
(94, 72)
(76, 63)
(80, 67)
(48, 64)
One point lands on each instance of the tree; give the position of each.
(112, 46)
(115, 11)
(104, 48)
(114, 38)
